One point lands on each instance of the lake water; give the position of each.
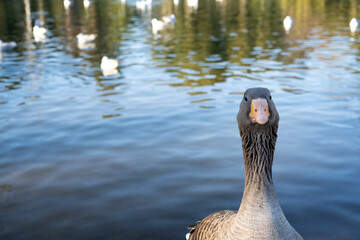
(151, 149)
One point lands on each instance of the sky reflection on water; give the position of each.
(144, 152)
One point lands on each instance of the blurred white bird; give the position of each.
(108, 66)
(192, 3)
(157, 25)
(87, 3)
(67, 3)
(6, 46)
(354, 23)
(143, 5)
(108, 63)
(169, 19)
(288, 22)
(84, 38)
(176, 2)
(140, 6)
(39, 31)
(85, 41)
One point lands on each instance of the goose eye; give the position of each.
(270, 97)
(245, 99)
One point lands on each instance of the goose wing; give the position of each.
(212, 227)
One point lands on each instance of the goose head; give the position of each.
(257, 110)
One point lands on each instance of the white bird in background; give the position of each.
(85, 41)
(67, 3)
(192, 3)
(108, 66)
(108, 63)
(288, 22)
(39, 32)
(87, 3)
(140, 5)
(157, 25)
(84, 38)
(354, 23)
(176, 2)
(143, 5)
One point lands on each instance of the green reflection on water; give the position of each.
(204, 41)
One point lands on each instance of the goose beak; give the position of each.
(259, 111)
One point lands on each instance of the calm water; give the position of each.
(147, 151)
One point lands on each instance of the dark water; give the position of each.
(145, 152)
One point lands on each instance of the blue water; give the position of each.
(145, 152)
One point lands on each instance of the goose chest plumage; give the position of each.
(259, 216)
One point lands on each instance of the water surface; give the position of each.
(143, 153)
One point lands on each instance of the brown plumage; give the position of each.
(211, 226)
(260, 216)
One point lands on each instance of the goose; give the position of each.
(259, 215)
(288, 22)
(353, 25)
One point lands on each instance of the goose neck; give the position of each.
(258, 150)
